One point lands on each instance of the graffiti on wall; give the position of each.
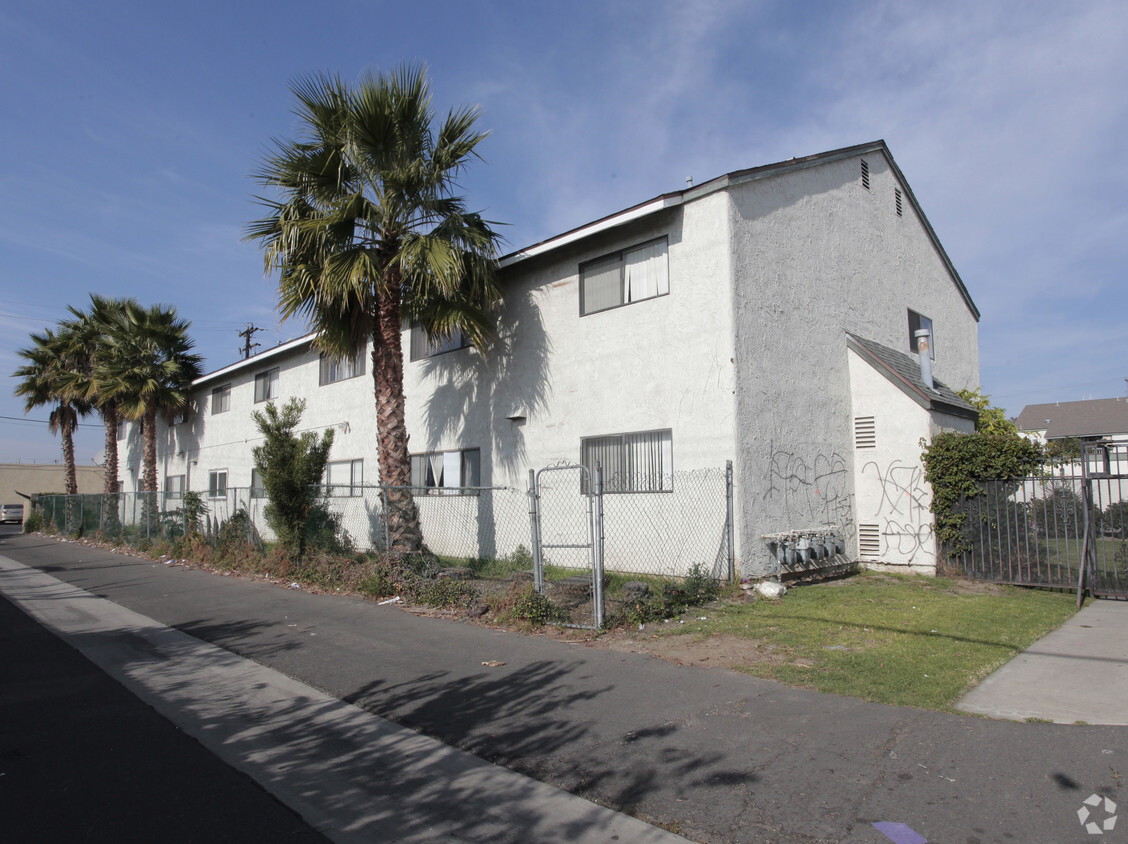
(815, 490)
(903, 511)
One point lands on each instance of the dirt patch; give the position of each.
(720, 650)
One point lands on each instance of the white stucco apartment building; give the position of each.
(763, 317)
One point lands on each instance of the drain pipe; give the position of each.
(924, 352)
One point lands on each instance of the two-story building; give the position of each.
(766, 317)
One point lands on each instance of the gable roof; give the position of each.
(671, 200)
(1092, 418)
(903, 371)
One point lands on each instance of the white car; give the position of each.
(11, 513)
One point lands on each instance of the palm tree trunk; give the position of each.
(110, 523)
(149, 432)
(71, 474)
(404, 531)
(110, 419)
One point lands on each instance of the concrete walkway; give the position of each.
(351, 775)
(1078, 674)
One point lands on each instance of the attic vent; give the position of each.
(865, 432)
(869, 540)
(897, 200)
(865, 174)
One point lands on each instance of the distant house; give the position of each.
(766, 317)
(1093, 422)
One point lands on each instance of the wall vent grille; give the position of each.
(865, 174)
(897, 200)
(865, 432)
(869, 540)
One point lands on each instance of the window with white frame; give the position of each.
(449, 472)
(916, 323)
(423, 346)
(122, 429)
(266, 385)
(217, 483)
(258, 488)
(341, 369)
(180, 416)
(221, 399)
(636, 462)
(632, 275)
(174, 486)
(345, 478)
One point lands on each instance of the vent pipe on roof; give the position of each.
(924, 352)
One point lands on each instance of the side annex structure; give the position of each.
(769, 317)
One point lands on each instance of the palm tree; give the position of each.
(51, 357)
(368, 232)
(148, 368)
(99, 331)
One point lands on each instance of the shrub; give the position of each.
(33, 522)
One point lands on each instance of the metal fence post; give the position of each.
(387, 518)
(597, 549)
(730, 527)
(534, 526)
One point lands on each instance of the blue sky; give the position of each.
(130, 131)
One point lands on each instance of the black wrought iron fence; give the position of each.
(1048, 530)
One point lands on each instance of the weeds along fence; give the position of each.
(488, 530)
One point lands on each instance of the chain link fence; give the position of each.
(488, 534)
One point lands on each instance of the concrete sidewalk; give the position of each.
(351, 775)
(1078, 674)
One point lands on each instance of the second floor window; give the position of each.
(624, 277)
(333, 369)
(221, 399)
(266, 385)
(423, 346)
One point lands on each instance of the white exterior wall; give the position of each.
(660, 363)
(817, 255)
(892, 498)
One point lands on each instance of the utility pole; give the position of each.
(247, 334)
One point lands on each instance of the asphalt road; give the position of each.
(714, 754)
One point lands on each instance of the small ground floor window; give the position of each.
(451, 472)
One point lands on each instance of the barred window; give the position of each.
(447, 472)
(635, 462)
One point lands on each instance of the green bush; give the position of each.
(535, 608)
(33, 522)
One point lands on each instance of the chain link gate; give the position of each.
(565, 509)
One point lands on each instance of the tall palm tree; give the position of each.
(99, 330)
(368, 231)
(148, 369)
(50, 359)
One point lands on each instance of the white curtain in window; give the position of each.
(436, 461)
(647, 272)
(452, 470)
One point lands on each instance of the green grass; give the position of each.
(902, 640)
